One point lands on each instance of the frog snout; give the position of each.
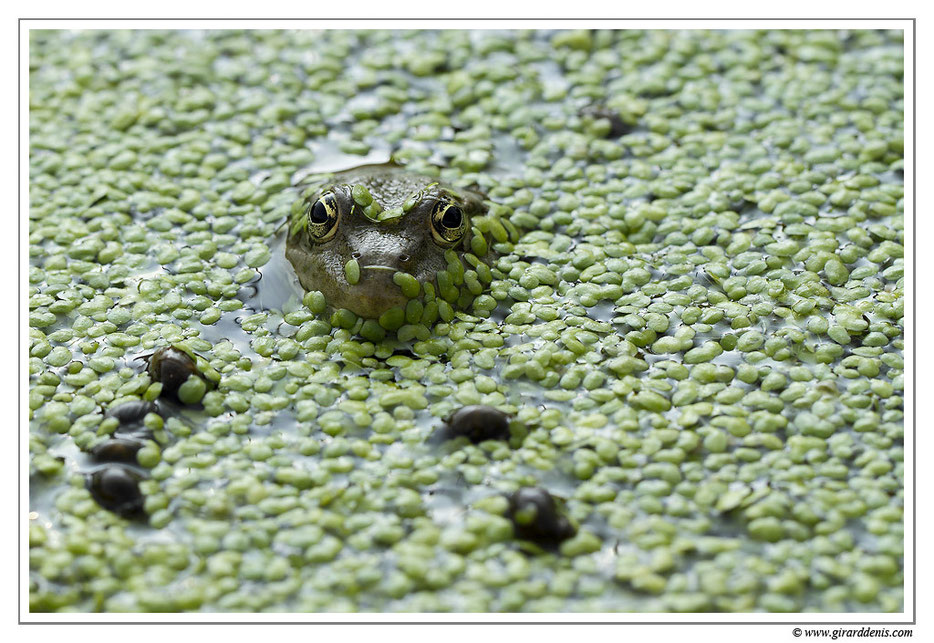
(401, 261)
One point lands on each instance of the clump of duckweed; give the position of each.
(698, 333)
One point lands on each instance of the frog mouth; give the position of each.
(379, 267)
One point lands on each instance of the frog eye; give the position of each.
(322, 219)
(448, 224)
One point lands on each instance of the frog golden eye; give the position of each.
(322, 219)
(448, 224)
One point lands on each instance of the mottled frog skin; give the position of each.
(350, 237)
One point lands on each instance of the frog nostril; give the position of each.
(355, 255)
(403, 258)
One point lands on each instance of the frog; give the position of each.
(373, 238)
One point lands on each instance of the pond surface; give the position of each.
(698, 336)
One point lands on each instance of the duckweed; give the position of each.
(688, 299)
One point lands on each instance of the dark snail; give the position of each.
(172, 367)
(477, 423)
(117, 450)
(535, 517)
(132, 412)
(116, 488)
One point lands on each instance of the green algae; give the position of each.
(699, 329)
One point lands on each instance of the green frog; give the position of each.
(376, 238)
